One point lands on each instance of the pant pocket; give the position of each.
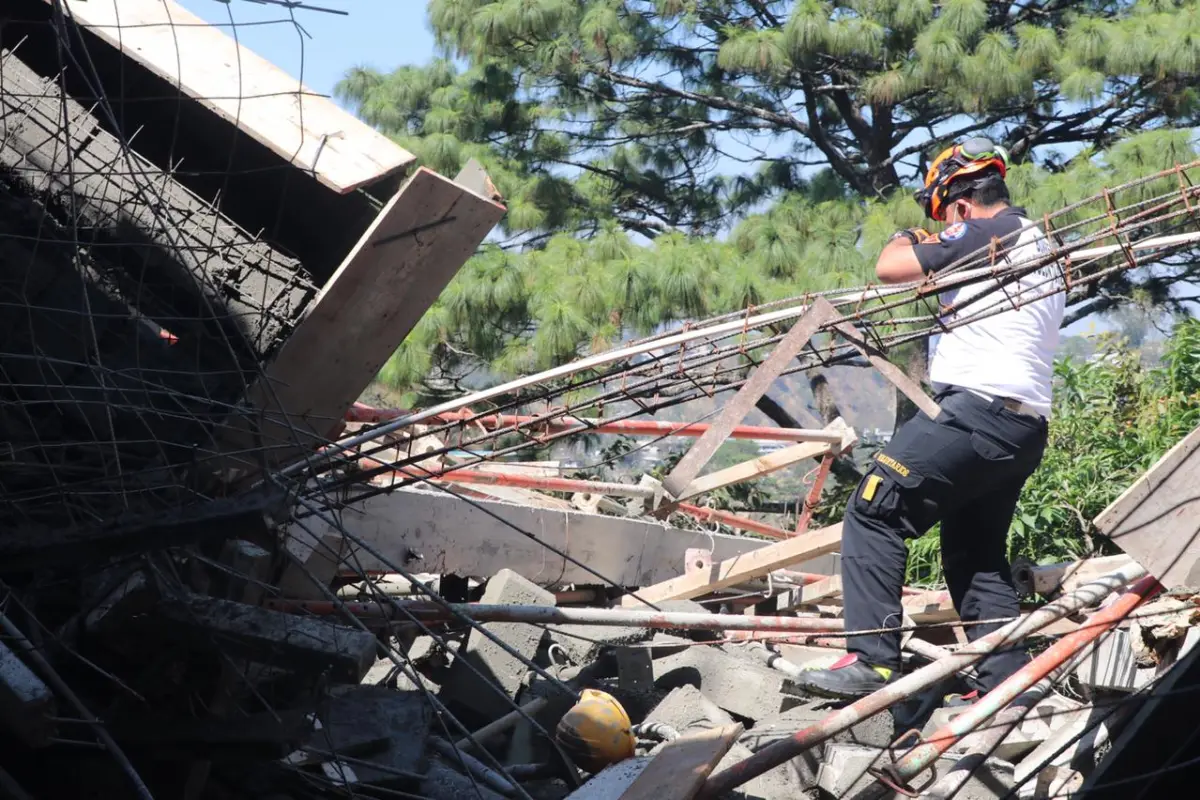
(889, 497)
(990, 449)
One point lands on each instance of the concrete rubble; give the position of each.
(203, 602)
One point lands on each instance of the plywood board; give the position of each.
(1157, 519)
(304, 128)
(402, 263)
(682, 766)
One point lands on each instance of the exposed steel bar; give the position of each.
(550, 615)
(546, 484)
(814, 494)
(918, 759)
(629, 427)
(735, 521)
(784, 750)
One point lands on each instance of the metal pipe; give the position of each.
(814, 494)
(497, 727)
(987, 741)
(474, 766)
(784, 750)
(452, 475)
(551, 615)
(918, 759)
(735, 521)
(932, 652)
(630, 427)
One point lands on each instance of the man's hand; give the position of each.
(898, 263)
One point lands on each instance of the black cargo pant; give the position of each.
(966, 469)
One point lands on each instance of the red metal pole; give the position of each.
(630, 427)
(782, 751)
(920, 757)
(735, 521)
(814, 494)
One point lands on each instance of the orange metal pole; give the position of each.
(630, 427)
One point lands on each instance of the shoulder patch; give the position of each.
(954, 232)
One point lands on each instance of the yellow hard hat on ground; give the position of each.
(596, 731)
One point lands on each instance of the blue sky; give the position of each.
(378, 33)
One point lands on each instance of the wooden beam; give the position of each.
(401, 264)
(1157, 519)
(772, 462)
(432, 531)
(898, 378)
(307, 130)
(810, 594)
(740, 569)
(682, 766)
(736, 410)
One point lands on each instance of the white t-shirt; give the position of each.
(1009, 353)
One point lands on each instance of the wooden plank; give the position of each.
(396, 271)
(431, 531)
(887, 369)
(760, 380)
(682, 766)
(1157, 519)
(811, 594)
(305, 129)
(772, 462)
(740, 569)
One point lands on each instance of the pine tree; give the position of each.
(665, 159)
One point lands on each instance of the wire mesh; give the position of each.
(153, 261)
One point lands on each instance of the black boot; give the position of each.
(847, 679)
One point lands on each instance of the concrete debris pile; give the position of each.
(204, 597)
(693, 705)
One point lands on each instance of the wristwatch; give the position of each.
(905, 234)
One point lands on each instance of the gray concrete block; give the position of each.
(1039, 723)
(875, 732)
(442, 782)
(360, 715)
(635, 669)
(500, 674)
(583, 643)
(687, 709)
(843, 774)
(740, 687)
(1110, 664)
(612, 781)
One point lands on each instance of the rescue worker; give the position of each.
(964, 468)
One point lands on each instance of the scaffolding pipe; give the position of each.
(550, 615)
(814, 494)
(987, 741)
(918, 759)
(735, 521)
(782, 751)
(629, 427)
(525, 481)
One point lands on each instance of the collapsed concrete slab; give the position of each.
(436, 532)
